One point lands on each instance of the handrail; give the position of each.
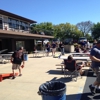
(3, 50)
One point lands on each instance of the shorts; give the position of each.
(96, 70)
(48, 49)
(16, 66)
(98, 77)
(53, 49)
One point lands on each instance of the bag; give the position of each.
(22, 66)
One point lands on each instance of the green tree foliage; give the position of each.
(46, 28)
(96, 31)
(63, 31)
(89, 37)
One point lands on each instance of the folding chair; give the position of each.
(71, 69)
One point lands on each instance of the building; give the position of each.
(15, 32)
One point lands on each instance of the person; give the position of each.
(48, 48)
(88, 44)
(61, 46)
(77, 49)
(79, 65)
(35, 51)
(17, 58)
(53, 48)
(94, 43)
(82, 45)
(95, 58)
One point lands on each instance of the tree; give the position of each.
(96, 31)
(63, 31)
(60, 31)
(46, 28)
(89, 37)
(85, 27)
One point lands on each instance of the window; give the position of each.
(19, 44)
(10, 25)
(1, 27)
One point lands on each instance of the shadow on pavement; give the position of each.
(55, 72)
(63, 79)
(36, 57)
(78, 97)
(89, 96)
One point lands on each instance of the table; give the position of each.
(84, 59)
(80, 54)
(11, 52)
(36, 53)
(6, 56)
(3, 50)
(76, 58)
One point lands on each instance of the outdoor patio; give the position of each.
(37, 71)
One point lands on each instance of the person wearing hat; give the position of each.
(95, 65)
(16, 59)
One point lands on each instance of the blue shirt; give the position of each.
(53, 45)
(95, 51)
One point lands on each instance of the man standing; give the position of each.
(95, 57)
(17, 58)
(88, 44)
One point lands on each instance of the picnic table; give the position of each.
(11, 52)
(6, 56)
(76, 58)
(3, 50)
(36, 53)
(80, 54)
(84, 59)
(1, 58)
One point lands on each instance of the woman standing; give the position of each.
(47, 48)
(61, 46)
(53, 48)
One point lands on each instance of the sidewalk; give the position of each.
(36, 72)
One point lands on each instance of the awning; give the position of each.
(25, 35)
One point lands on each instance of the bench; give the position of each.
(4, 75)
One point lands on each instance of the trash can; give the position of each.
(53, 90)
(25, 57)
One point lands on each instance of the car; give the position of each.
(82, 39)
(68, 41)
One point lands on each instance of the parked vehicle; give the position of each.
(68, 41)
(82, 39)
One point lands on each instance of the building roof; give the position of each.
(12, 34)
(16, 16)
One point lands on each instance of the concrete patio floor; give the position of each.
(37, 71)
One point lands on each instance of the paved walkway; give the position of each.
(36, 72)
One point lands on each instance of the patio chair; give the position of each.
(70, 69)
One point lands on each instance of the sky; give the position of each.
(55, 11)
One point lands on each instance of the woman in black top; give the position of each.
(61, 46)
